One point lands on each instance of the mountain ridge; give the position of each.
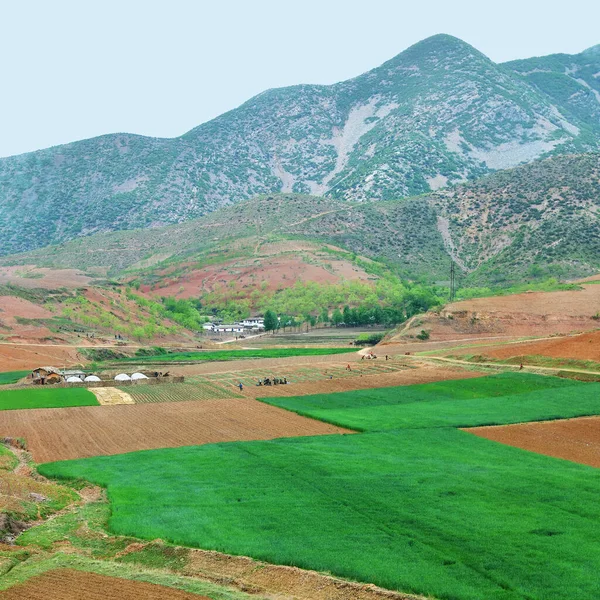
(438, 113)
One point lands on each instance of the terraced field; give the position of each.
(413, 504)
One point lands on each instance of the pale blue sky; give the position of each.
(73, 70)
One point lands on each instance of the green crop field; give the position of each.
(46, 397)
(427, 509)
(494, 400)
(219, 355)
(12, 376)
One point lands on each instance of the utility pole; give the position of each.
(452, 281)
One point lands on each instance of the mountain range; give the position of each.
(537, 220)
(437, 115)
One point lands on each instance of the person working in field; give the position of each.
(241, 386)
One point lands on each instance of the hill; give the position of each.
(523, 224)
(436, 114)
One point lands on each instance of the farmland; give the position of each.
(100, 430)
(67, 584)
(12, 376)
(441, 511)
(573, 439)
(46, 397)
(497, 399)
(230, 355)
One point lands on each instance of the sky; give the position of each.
(73, 70)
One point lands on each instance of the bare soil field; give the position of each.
(261, 363)
(275, 265)
(62, 434)
(519, 315)
(29, 276)
(360, 377)
(68, 584)
(577, 440)
(582, 347)
(15, 357)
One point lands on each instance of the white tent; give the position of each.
(138, 376)
(92, 378)
(122, 377)
(74, 380)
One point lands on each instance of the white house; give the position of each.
(228, 328)
(254, 323)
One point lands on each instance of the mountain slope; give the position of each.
(438, 113)
(535, 220)
(570, 81)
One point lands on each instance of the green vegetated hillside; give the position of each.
(523, 224)
(436, 114)
(413, 504)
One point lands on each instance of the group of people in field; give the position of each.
(272, 381)
(267, 381)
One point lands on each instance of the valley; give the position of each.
(339, 343)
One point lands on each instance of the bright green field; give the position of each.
(12, 376)
(46, 397)
(427, 509)
(494, 400)
(217, 355)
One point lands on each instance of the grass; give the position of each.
(46, 397)
(12, 376)
(425, 508)
(222, 355)
(493, 400)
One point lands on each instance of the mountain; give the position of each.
(571, 82)
(437, 114)
(529, 222)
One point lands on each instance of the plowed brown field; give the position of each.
(515, 316)
(67, 584)
(29, 356)
(577, 440)
(583, 347)
(328, 386)
(62, 434)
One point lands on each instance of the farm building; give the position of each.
(73, 373)
(254, 323)
(46, 375)
(228, 328)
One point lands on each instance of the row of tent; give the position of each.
(95, 378)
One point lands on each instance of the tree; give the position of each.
(271, 322)
(347, 315)
(324, 316)
(337, 317)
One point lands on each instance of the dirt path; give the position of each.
(110, 396)
(285, 583)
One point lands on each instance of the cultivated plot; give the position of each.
(68, 584)
(577, 440)
(425, 508)
(45, 397)
(492, 400)
(94, 431)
